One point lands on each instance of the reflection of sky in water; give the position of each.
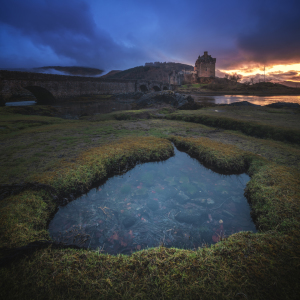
(258, 100)
(103, 107)
(20, 103)
(177, 202)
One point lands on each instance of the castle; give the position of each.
(204, 70)
(205, 66)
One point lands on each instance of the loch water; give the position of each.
(178, 203)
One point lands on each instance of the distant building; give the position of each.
(176, 77)
(205, 66)
(151, 64)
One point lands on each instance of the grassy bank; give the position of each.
(264, 265)
(18, 227)
(262, 123)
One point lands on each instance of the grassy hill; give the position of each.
(159, 73)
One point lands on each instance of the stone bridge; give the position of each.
(48, 88)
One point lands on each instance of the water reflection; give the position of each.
(178, 202)
(20, 103)
(258, 100)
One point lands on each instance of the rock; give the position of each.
(283, 104)
(129, 221)
(243, 103)
(210, 201)
(182, 197)
(169, 97)
(197, 201)
(153, 204)
(190, 218)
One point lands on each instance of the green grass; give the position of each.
(249, 125)
(264, 265)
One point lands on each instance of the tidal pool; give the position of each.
(178, 203)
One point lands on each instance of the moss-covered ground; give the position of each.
(64, 157)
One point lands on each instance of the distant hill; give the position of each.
(293, 84)
(76, 71)
(159, 72)
(223, 84)
(109, 74)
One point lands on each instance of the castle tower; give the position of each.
(205, 66)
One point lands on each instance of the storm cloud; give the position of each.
(119, 34)
(64, 29)
(275, 36)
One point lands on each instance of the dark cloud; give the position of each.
(275, 76)
(283, 74)
(274, 37)
(119, 34)
(69, 29)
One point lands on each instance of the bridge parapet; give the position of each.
(50, 87)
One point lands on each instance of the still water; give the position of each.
(258, 100)
(20, 103)
(178, 203)
(78, 108)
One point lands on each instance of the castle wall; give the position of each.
(205, 66)
(206, 70)
(176, 78)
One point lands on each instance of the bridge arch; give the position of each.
(143, 88)
(156, 88)
(42, 95)
(165, 88)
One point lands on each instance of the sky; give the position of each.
(243, 35)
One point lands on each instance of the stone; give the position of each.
(190, 218)
(129, 221)
(153, 204)
(182, 197)
(168, 97)
(51, 88)
(210, 201)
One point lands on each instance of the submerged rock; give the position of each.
(129, 221)
(153, 204)
(190, 218)
(197, 201)
(210, 201)
(182, 197)
(169, 97)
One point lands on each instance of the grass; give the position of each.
(193, 86)
(95, 164)
(253, 122)
(70, 156)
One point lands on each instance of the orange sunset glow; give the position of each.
(289, 72)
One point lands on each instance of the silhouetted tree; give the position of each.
(235, 77)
